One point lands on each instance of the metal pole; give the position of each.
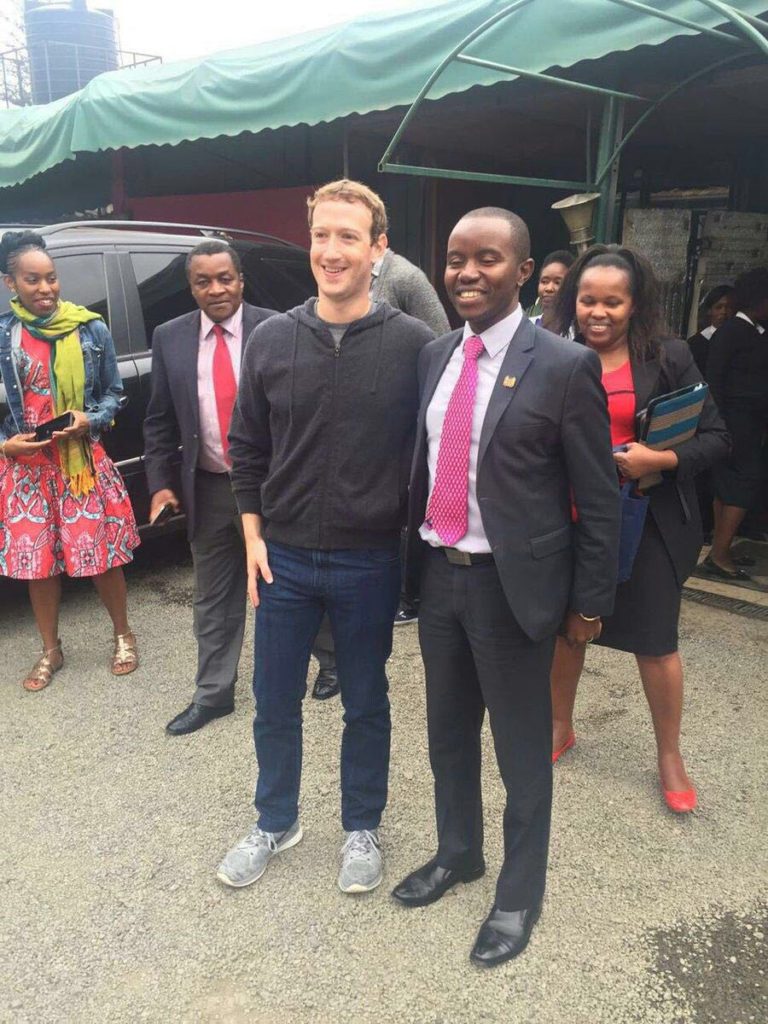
(602, 170)
(610, 130)
(480, 30)
(645, 9)
(761, 25)
(496, 179)
(464, 58)
(737, 18)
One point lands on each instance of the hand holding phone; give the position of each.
(164, 504)
(163, 514)
(45, 431)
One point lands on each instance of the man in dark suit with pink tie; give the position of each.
(512, 432)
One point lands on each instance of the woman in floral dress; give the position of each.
(63, 505)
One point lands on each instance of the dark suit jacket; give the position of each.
(543, 439)
(673, 502)
(737, 365)
(173, 412)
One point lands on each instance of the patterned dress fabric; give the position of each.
(447, 509)
(44, 529)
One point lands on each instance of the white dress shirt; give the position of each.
(496, 341)
(211, 453)
(751, 322)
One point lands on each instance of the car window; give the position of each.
(275, 276)
(82, 280)
(163, 288)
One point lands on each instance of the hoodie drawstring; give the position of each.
(294, 354)
(379, 354)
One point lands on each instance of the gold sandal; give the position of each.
(42, 671)
(125, 658)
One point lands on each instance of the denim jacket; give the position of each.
(103, 387)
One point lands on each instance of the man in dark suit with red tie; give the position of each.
(512, 432)
(195, 368)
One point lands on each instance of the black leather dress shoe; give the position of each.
(503, 935)
(429, 883)
(326, 684)
(195, 717)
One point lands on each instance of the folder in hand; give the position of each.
(669, 420)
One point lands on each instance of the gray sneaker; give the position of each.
(361, 867)
(247, 862)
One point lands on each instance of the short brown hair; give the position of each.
(352, 192)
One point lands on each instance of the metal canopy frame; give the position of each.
(612, 139)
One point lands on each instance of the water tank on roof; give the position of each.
(68, 46)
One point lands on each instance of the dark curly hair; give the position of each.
(13, 244)
(558, 256)
(646, 328)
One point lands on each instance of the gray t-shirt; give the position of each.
(338, 330)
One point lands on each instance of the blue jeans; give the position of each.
(359, 589)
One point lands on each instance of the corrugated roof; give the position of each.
(373, 63)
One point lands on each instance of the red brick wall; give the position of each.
(277, 211)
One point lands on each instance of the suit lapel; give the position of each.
(515, 363)
(434, 374)
(189, 348)
(645, 376)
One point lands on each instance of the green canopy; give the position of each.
(373, 63)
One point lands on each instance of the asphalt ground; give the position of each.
(111, 833)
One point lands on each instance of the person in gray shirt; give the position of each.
(400, 283)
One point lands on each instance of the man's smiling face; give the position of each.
(484, 271)
(342, 251)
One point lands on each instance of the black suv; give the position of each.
(133, 275)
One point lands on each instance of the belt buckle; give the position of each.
(456, 557)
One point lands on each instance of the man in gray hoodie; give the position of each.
(321, 444)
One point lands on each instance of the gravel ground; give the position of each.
(111, 832)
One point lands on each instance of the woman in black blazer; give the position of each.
(610, 296)
(714, 309)
(737, 371)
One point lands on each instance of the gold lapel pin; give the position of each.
(509, 382)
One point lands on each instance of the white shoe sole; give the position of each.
(356, 887)
(283, 846)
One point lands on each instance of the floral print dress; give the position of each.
(44, 529)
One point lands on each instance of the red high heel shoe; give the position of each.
(566, 746)
(680, 801)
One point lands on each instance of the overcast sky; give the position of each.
(170, 29)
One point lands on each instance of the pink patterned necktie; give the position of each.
(447, 509)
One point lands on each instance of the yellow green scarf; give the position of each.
(67, 381)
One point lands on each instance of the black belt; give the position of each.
(456, 557)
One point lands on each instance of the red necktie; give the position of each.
(224, 385)
(447, 509)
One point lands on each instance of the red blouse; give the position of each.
(620, 391)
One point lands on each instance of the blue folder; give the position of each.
(669, 420)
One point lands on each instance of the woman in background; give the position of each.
(551, 276)
(63, 505)
(715, 308)
(737, 371)
(610, 298)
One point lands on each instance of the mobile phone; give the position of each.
(163, 514)
(45, 431)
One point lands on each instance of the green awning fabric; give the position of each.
(372, 63)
